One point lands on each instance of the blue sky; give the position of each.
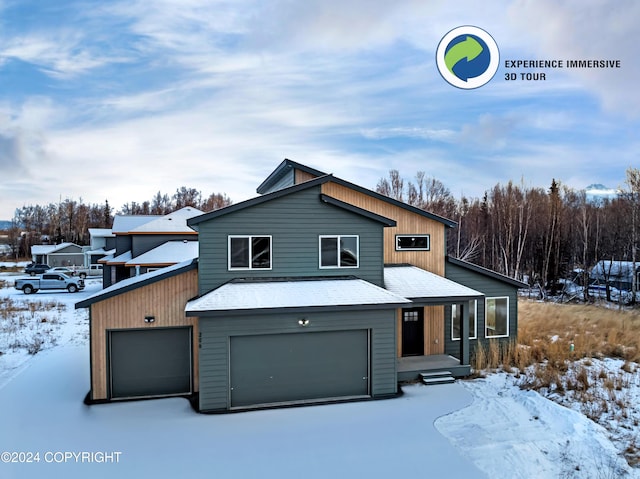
(105, 99)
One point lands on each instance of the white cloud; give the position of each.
(596, 30)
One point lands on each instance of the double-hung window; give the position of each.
(249, 252)
(339, 251)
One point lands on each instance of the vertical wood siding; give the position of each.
(302, 176)
(295, 223)
(215, 334)
(407, 223)
(433, 330)
(165, 300)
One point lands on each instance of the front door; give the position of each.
(413, 332)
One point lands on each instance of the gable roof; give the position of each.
(175, 222)
(487, 272)
(281, 170)
(256, 201)
(122, 224)
(193, 222)
(38, 249)
(287, 165)
(136, 282)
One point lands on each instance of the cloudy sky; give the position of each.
(108, 99)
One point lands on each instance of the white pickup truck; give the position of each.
(49, 281)
(92, 270)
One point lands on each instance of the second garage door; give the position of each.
(279, 368)
(150, 362)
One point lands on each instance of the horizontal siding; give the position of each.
(215, 336)
(295, 223)
(407, 222)
(165, 300)
(490, 287)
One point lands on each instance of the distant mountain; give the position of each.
(598, 191)
(5, 225)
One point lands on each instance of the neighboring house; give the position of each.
(618, 274)
(138, 235)
(319, 290)
(102, 243)
(63, 254)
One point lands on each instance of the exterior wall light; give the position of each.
(303, 322)
(149, 319)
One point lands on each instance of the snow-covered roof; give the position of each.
(49, 248)
(614, 269)
(107, 258)
(125, 223)
(121, 258)
(167, 253)
(304, 293)
(137, 282)
(175, 222)
(415, 283)
(101, 233)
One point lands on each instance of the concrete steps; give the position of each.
(439, 377)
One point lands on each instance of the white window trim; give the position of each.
(475, 322)
(427, 235)
(485, 317)
(338, 237)
(250, 268)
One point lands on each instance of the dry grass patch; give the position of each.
(557, 353)
(551, 329)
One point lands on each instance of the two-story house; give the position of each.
(145, 243)
(318, 290)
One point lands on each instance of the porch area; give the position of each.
(409, 368)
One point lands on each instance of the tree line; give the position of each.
(70, 220)
(530, 233)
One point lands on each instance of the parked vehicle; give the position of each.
(62, 269)
(36, 268)
(49, 281)
(92, 270)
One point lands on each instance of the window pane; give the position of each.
(412, 242)
(239, 253)
(497, 317)
(455, 320)
(348, 251)
(261, 252)
(329, 252)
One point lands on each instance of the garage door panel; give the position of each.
(298, 367)
(150, 362)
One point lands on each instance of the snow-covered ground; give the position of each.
(480, 428)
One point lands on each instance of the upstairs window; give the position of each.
(339, 251)
(412, 243)
(249, 252)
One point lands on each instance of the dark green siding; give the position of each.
(490, 287)
(295, 223)
(216, 334)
